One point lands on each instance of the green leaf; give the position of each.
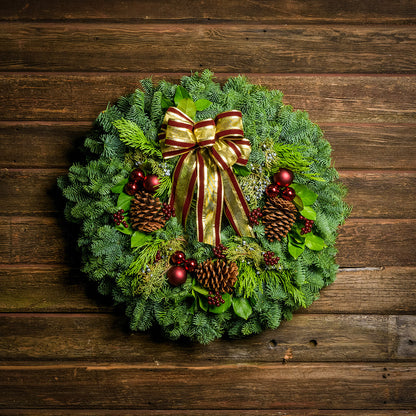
(138, 239)
(222, 308)
(120, 186)
(298, 202)
(241, 170)
(187, 106)
(242, 307)
(307, 196)
(309, 213)
(124, 201)
(314, 242)
(202, 104)
(200, 290)
(166, 103)
(180, 94)
(295, 249)
(203, 303)
(124, 230)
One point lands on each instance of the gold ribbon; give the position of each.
(208, 149)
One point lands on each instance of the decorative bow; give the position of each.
(208, 150)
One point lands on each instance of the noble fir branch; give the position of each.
(132, 135)
(285, 279)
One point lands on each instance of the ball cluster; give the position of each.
(270, 258)
(307, 228)
(215, 299)
(118, 218)
(219, 251)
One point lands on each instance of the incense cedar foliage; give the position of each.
(279, 136)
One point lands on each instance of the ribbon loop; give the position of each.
(208, 150)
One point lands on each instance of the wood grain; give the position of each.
(52, 144)
(34, 192)
(311, 338)
(327, 98)
(249, 48)
(251, 386)
(211, 412)
(57, 288)
(362, 242)
(329, 11)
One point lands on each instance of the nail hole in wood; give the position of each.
(313, 342)
(273, 343)
(410, 342)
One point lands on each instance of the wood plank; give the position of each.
(211, 412)
(54, 144)
(311, 338)
(56, 288)
(40, 144)
(394, 11)
(362, 242)
(252, 386)
(249, 48)
(34, 191)
(327, 98)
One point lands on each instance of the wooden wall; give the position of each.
(351, 65)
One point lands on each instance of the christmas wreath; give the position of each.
(206, 210)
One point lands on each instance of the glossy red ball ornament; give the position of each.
(176, 275)
(151, 183)
(178, 257)
(272, 191)
(288, 194)
(190, 265)
(131, 188)
(137, 176)
(284, 177)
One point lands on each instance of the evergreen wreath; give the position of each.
(160, 263)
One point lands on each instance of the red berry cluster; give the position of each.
(254, 216)
(270, 258)
(135, 182)
(308, 225)
(158, 256)
(219, 251)
(118, 218)
(168, 210)
(215, 299)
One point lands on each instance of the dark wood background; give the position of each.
(351, 65)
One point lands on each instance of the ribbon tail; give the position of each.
(210, 198)
(236, 208)
(183, 185)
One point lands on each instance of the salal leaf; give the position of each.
(180, 94)
(307, 196)
(309, 213)
(314, 242)
(295, 248)
(188, 107)
(138, 239)
(120, 186)
(124, 201)
(241, 170)
(298, 202)
(223, 307)
(242, 307)
(202, 104)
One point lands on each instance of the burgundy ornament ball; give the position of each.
(176, 275)
(178, 257)
(272, 191)
(151, 183)
(131, 188)
(288, 194)
(137, 176)
(190, 265)
(284, 177)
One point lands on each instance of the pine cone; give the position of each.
(146, 213)
(218, 276)
(278, 218)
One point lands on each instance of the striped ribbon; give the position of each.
(208, 149)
